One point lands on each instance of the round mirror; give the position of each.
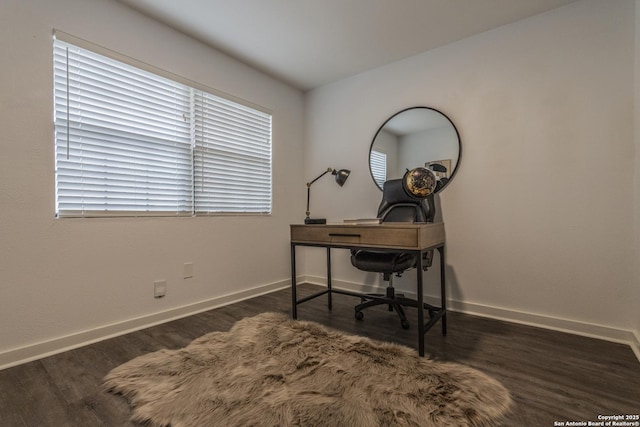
(414, 137)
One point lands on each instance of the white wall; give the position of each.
(72, 280)
(433, 144)
(539, 218)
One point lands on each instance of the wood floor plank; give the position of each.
(30, 397)
(552, 376)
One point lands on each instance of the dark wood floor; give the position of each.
(552, 376)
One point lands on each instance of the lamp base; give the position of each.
(315, 220)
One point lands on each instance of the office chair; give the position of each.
(396, 206)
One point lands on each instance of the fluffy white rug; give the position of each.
(269, 370)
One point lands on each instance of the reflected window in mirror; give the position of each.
(417, 136)
(379, 167)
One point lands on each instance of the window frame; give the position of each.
(190, 209)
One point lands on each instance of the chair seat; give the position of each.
(383, 262)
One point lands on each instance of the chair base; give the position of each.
(396, 303)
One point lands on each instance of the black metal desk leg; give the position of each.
(420, 306)
(329, 301)
(294, 297)
(443, 293)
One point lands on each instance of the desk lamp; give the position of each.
(341, 177)
(441, 175)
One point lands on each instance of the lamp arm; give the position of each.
(319, 176)
(309, 187)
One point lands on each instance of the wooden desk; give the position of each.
(390, 237)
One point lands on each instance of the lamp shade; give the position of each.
(341, 176)
(436, 167)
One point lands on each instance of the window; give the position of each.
(129, 142)
(379, 167)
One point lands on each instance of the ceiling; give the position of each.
(308, 43)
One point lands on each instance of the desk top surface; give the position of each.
(390, 235)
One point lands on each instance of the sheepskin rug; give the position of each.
(269, 370)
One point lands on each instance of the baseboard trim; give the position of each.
(590, 330)
(47, 348)
(607, 333)
(635, 345)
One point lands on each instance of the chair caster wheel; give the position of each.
(405, 324)
(359, 315)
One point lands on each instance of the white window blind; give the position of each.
(232, 157)
(130, 142)
(378, 162)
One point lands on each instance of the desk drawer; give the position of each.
(384, 236)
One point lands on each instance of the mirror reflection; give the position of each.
(417, 136)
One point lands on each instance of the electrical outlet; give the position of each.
(159, 288)
(187, 270)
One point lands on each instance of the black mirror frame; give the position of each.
(455, 170)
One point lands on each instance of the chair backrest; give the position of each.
(398, 206)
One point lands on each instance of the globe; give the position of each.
(419, 182)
